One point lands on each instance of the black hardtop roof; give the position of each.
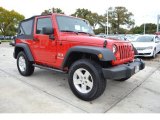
(33, 17)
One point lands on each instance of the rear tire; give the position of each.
(86, 79)
(25, 67)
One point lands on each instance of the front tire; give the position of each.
(25, 67)
(154, 54)
(86, 79)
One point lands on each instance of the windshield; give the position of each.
(145, 39)
(69, 24)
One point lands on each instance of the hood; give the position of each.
(89, 40)
(143, 44)
(86, 39)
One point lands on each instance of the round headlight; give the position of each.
(114, 48)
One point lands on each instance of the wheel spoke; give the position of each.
(84, 88)
(86, 74)
(89, 84)
(77, 82)
(82, 80)
(24, 67)
(22, 64)
(79, 73)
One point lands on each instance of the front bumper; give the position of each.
(145, 53)
(123, 71)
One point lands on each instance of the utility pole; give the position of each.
(144, 28)
(107, 22)
(158, 18)
(105, 27)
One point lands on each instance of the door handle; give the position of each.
(51, 37)
(36, 39)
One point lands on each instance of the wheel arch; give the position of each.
(23, 47)
(79, 52)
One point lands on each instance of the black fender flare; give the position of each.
(108, 55)
(135, 50)
(25, 48)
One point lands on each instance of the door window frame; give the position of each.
(36, 23)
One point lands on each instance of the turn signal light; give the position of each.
(100, 56)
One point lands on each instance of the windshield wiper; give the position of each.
(69, 31)
(85, 33)
(76, 32)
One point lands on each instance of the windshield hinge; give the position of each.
(105, 44)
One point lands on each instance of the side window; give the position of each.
(41, 23)
(20, 32)
(157, 38)
(26, 27)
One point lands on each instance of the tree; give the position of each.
(82, 13)
(150, 28)
(99, 30)
(53, 10)
(93, 18)
(137, 30)
(85, 14)
(119, 16)
(9, 21)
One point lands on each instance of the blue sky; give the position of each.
(143, 10)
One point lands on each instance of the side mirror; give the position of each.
(157, 41)
(14, 37)
(47, 31)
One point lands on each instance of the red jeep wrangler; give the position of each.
(68, 44)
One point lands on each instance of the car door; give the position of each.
(44, 48)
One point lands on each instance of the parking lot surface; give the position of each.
(49, 92)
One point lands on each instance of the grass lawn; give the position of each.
(6, 40)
